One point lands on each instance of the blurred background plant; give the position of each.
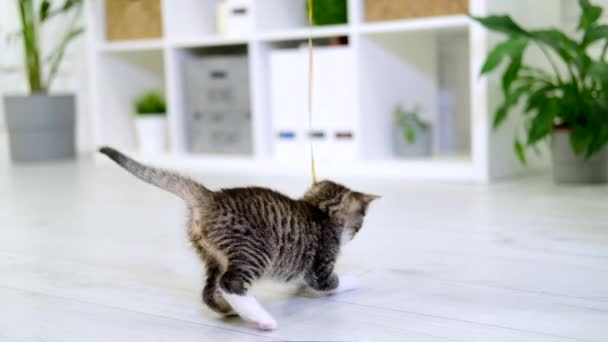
(409, 121)
(573, 95)
(150, 103)
(41, 70)
(328, 12)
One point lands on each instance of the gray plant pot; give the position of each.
(40, 127)
(421, 147)
(569, 168)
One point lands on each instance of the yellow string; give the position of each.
(310, 89)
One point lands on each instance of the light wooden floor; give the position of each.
(91, 254)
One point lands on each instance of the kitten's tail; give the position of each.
(183, 187)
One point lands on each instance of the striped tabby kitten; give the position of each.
(244, 234)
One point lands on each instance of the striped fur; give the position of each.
(244, 234)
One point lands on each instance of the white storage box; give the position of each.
(239, 17)
(334, 110)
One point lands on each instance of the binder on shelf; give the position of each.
(334, 113)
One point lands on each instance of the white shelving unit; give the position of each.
(430, 61)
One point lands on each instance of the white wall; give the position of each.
(71, 78)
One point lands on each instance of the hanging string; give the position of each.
(310, 90)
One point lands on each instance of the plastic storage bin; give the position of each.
(218, 105)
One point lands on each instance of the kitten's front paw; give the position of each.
(266, 325)
(348, 283)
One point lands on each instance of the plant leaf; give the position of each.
(594, 34)
(590, 14)
(598, 141)
(30, 45)
(539, 96)
(543, 122)
(410, 135)
(67, 6)
(503, 24)
(151, 102)
(565, 47)
(511, 99)
(599, 72)
(45, 6)
(511, 73)
(60, 52)
(519, 151)
(511, 47)
(579, 138)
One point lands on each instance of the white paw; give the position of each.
(266, 325)
(348, 283)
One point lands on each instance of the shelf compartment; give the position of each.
(383, 10)
(280, 15)
(132, 20)
(426, 69)
(215, 100)
(189, 18)
(123, 76)
(437, 24)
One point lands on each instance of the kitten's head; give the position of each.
(341, 203)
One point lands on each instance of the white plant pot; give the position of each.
(152, 133)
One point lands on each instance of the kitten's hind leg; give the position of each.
(250, 310)
(234, 285)
(212, 296)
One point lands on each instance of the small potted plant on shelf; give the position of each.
(41, 125)
(324, 12)
(412, 135)
(151, 122)
(568, 103)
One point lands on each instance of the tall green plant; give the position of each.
(32, 19)
(573, 94)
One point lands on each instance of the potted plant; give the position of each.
(334, 12)
(41, 125)
(567, 104)
(412, 136)
(151, 122)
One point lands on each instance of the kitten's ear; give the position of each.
(368, 198)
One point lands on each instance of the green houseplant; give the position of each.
(41, 126)
(150, 103)
(568, 102)
(328, 12)
(151, 122)
(412, 135)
